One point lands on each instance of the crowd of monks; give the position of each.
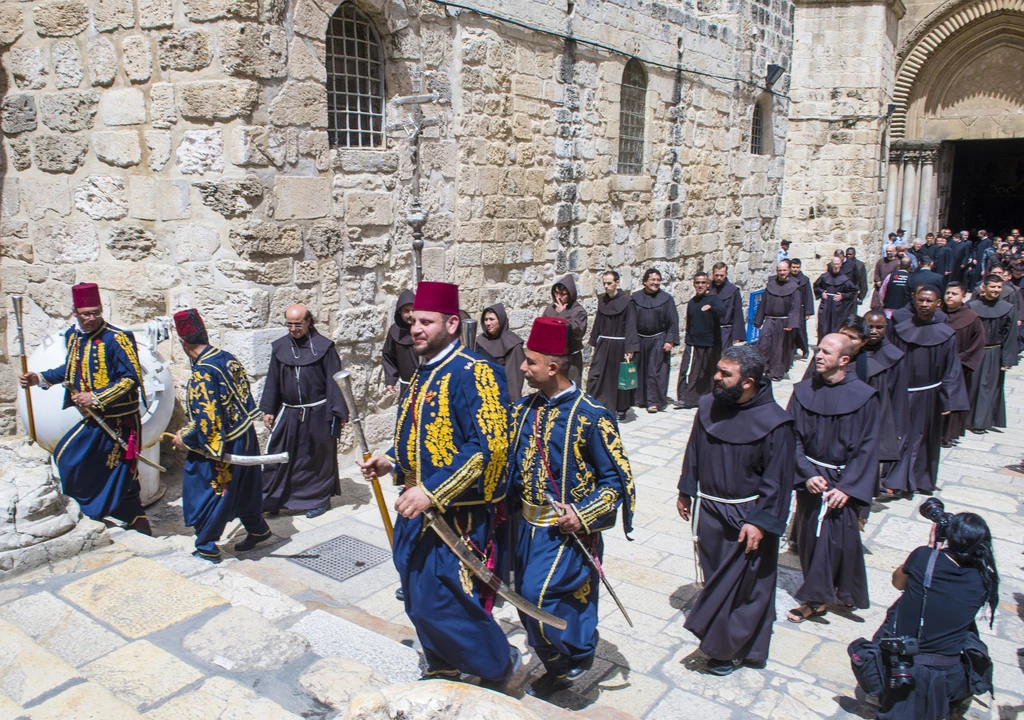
(529, 477)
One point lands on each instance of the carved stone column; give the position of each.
(908, 213)
(928, 154)
(892, 189)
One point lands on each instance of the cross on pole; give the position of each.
(413, 126)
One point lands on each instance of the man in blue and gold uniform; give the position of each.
(566, 444)
(220, 412)
(101, 373)
(449, 452)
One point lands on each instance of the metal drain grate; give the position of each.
(342, 558)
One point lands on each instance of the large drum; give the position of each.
(53, 421)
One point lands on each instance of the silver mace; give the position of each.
(16, 300)
(469, 333)
(344, 381)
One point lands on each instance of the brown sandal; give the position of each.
(805, 612)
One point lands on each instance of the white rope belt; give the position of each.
(304, 406)
(823, 510)
(695, 525)
(612, 337)
(924, 387)
(654, 335)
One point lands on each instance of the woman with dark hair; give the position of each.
(964, 580)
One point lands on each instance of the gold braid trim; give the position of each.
(127, 344)
(71, 372)
(102, 376)
(209, 420)
(613, 441)
(112, 392)
(584, 476)
(439, 435)
(445, 493)
(594, 510)
(221, 478)
(492, 418)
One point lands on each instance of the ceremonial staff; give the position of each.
(16, 300)
(344, 381)
(469, 334)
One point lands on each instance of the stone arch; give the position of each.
(952, 19)
(312, 16)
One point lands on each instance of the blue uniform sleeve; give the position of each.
(125, 371)
(613, 479)
(204, 430)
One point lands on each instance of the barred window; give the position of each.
(632, 114)
(355, 80)
(757, 131)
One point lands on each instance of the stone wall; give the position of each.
(843, 71)
(176, 153)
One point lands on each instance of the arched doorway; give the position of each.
(957, 136)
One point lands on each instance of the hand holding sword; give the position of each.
(563, 513)
(228, 458)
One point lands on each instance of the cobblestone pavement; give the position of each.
(142, 629)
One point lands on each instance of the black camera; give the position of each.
(934, 510)
(899, 659)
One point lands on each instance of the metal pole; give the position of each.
(17, 301)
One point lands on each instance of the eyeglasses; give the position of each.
(295, 325)
(90, 314)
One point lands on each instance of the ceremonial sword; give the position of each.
(432, 519)
(230, 459)
(114, 436)
(591, 561)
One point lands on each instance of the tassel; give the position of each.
(132, 451)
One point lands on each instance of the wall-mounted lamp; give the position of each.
(773, 74)
(890, 110)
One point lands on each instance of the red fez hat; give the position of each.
(437, 297)
(188, 322)
(549, 335)
(85, 295)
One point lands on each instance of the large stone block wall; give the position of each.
(843, 70)
(176, 153)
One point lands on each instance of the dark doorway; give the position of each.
(988, 185)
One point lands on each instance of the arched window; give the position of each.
(757, 131)
(761, 127)
(355, 80)
(632, 114)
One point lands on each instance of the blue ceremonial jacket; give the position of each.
(104, 362)
(218, 404)
(451, 437)
(583, 453)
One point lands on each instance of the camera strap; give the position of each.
(927, 584)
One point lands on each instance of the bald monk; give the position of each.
(304, 410)
(835, 417)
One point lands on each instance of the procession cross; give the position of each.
(413, 126)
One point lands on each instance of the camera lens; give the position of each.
(932, 509)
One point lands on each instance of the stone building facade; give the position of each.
(182, 153)
(904, 115)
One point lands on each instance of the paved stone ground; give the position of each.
(142, 628)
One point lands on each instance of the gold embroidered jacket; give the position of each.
(451, 437)
(104, 362)
(218, 404)
(570, 447)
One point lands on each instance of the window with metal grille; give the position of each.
(355, 80)
(757, 130)
(632, 114)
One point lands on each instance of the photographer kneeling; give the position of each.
(936, 660)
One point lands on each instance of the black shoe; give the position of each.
(451, 675)
(318, 511)
(515, 661)
(620, 416)
(1018, 468)
(947, 444)
(399, 595)
(580, 668)
(140, 525)
(755, 664)
(207, 557)
(678, 404)
(547, 685)
(721, 668)
(251, 541)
